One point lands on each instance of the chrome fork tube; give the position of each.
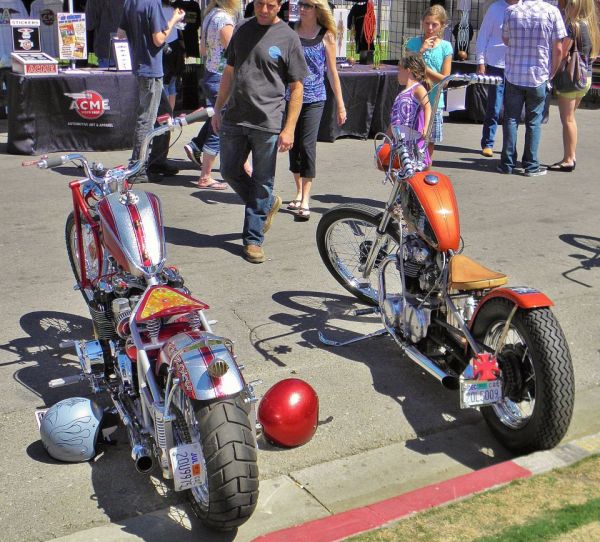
(385, 220)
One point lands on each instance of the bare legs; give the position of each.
(567, 108)
(303, 186)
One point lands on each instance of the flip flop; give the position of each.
(215, 185)
(303, 213)
(294, 205)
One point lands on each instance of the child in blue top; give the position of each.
(437, 54)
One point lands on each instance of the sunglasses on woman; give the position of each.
(304, 5)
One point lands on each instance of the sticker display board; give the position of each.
(72, 44)
(25, 35)
(121, 54)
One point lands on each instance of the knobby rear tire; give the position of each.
(354, 225)
(229, 448)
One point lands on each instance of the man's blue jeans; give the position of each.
(534, 99)
(495, 96)
(256, 191)
(149, 92)
(206, 140)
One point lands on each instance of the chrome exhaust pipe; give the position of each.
(142, 458)
(450, 382)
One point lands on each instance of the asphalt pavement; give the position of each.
(385, 427)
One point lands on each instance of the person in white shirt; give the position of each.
(490, 60)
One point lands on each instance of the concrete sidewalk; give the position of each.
(340, 498)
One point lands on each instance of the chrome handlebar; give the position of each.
(119, 175)
(400, 142)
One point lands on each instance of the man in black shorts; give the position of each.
(264, 56)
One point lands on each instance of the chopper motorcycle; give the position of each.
(174, 384)
(501, 347)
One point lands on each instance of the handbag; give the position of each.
(571, 75)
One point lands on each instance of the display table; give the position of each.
(80, 110)
(368, 97)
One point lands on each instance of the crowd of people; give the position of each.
(265, 78)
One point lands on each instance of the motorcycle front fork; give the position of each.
(383, 224)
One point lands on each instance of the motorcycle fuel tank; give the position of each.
(132, 230)
(429, 206)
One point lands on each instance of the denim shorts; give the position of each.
(171, 86)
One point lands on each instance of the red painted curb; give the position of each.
(375, 515)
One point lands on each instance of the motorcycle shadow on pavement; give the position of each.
(45, 330)
(589, 260)
(118, 490)
(438, 425)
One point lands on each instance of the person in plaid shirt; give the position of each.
(533, 31)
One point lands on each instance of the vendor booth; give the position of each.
(79, 110)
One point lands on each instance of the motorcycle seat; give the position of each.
(467, 274)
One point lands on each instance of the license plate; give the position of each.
(188, 466)
(474, 393)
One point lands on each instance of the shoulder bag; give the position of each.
(571, 75)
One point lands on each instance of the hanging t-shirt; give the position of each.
(9, 9)
(45, 11)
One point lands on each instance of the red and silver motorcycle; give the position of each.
(174, 384)
(500, 346)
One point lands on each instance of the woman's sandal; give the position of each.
(212, 185)
(303, 213)
(559, 166)
(294, 205)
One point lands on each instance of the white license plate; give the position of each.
(188, 466)
(474, 393)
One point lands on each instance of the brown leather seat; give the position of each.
(467, 274)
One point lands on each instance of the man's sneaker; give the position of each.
(500, 169)
(272, 212)
(163, 168)
(254, 254)
(536, 172)
(487, 152)
(193, 153)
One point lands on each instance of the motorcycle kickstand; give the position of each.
(330, 342)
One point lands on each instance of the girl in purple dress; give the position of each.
(411, 107)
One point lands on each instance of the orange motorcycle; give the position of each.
(501, 347)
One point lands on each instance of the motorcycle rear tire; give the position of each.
(71, 240)
(546, 355)
(356, 218)
(229, 448)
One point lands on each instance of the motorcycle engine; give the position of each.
(409, 317)
(420, 269)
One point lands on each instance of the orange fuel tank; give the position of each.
(430, 205)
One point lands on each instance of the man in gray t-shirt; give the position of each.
(263, 58)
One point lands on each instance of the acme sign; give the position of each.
(89, 104)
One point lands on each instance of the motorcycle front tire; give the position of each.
(73, 255)
(541, 363)
(229, 448)
(344, 236)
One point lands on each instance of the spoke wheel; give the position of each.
(537, 373)
(90, 254)
(345, 235)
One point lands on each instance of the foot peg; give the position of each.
(330, 342)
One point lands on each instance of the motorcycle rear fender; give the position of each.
(523, 297)
(190, 354)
